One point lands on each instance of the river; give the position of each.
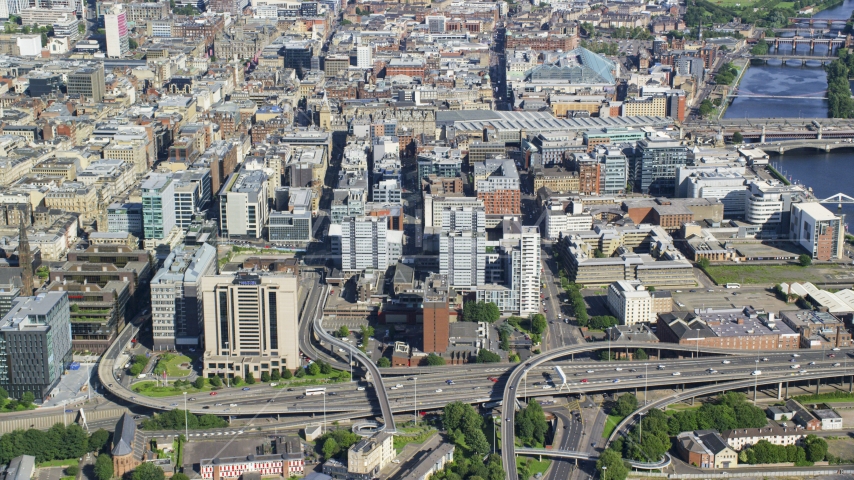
(827, 173)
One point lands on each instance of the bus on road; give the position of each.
(315, 391)
(733, 285)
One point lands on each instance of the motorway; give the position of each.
(586, 376)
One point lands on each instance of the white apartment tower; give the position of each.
(116, 28)
(250, 323)
(243, 208)
(158, 205)
(364, 57)
(364, 243)
(529, 268)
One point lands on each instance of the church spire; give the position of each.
(25, 260)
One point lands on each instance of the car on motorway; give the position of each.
(765, 359)
(492, 379)
(712, 371)
(802, 371)
(837, 364)
(300, 397)
(361, 389)
(618, 369)
(217, 405)
(232, 404)
(291, 390)
(274, 384)
(795, 366)
(333, 393)
(796, 355)
(192, 399)
(661, 367)
(832, 355)
(793, 360)
(726, 362)
(616, 380)
(245, 389)
(584, 380)
(676, 374)
(835, 349)
(438, 390)
(399, 385)
(449, 382)
(756, 373)
(591, 371)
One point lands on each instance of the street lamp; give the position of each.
(755, 381)
(186, 426)
(416, 399)
(604, 473)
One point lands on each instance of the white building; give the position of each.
(613, 172)
(830, 420)
(462, 257)
(30, 45)
(365, 244)
(494, 174)
(769, 202)
(176, 298)
(250, 320)
(817, 230)
(558, 221)
(630, 302)
(158, 205)
(116, 28)
(243, 204)
(364, 57)
(387, 191)
(528, 267)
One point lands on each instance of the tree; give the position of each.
(199, 383)
(815, 447)
(215, 381)
(104, 467)
(703, 263)
(383, 362)
(250, 378)
(314, 369)
(132, 44)
(613, 462)
(99, 440)
(180, 476)
(300, 373)
(804, 260)
(706, 108)
(265, 376)
(626, 404)
(136, 369)
(598, 253)
(485, 356)
(640, 354)
(325, 368)
(434, 360)
(480, 312)
(538, 323)
(275, 376)
(27, 399)
(330, 448)
(4, 397)
(236, 380)
(366, 332)
(148, 471)
(72, 470)
(81, 28)
(343, 331)
(737, 137)
(287, 374)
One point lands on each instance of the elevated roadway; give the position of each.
(663, 463)
(699, 374)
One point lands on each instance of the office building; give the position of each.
(192, 194)
(462, 258)
(817, 230)
(297, 55)
(87, 82)
(67, 26)
(369, 456)
(365, 244)
(736, 328)
(436, 314)
(630, 302)
(125, 217)
(613, 168)
(158, 205)
(497, 185)
(44, 84)
(436, 23)
(35, 337)
(116, 28)
(819, 330)
(243, 208)
(250, 323)
(364, 56)
(291, 227)
(176, 300)
(656, 160)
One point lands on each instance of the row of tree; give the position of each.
(531, 425)
(58, 443)
(174, 420)
(839, 101)
(335, 443)
(465, 427)
(814, 450)
(486, 356)
(579, 308)
(139, 363)
(730, 410)
(480, 312)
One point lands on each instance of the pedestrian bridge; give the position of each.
(664, 462)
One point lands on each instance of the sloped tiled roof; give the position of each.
(124, 435)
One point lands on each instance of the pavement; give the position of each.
(73, 387)
(49, 473)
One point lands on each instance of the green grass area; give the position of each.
(767, 274)
(172, 364)
(150, 389)
(681, 407)
(610, 424)
(59, 463)
(826, 397)
(534, 466)
(412, 435)
(337, 376)
(18, 408)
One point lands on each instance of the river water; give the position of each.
(826, 173)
